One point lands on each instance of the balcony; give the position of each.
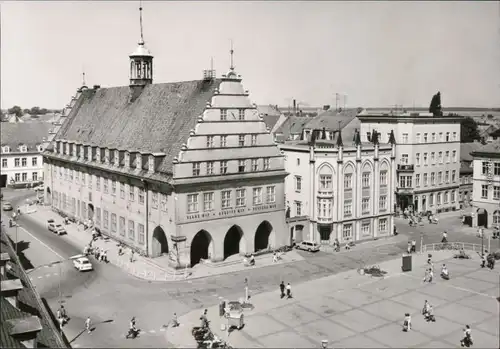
(406, 168)
(405, 190)
(325, 193)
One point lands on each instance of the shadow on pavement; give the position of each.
(21, 247)
(91, 330)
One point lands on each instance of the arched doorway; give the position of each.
(48, 197)
(200, 247)
(160, 242)
(261, 240)
(482, 218)
(232, 241)
(90, 212)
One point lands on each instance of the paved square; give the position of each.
(370, 314)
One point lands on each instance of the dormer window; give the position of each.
(59, 147)
(75, 153)
(23, 148)
(127, 159)
(117, 158)
(106, 156)
(40, 148)
(98, 155)
(66, 148)
(151, 165)
(137, 160)
(6, 149)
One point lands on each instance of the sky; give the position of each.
(378, 54)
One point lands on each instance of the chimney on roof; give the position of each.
(25, 330)
(10, 291)
(294, 107)
(3, 263)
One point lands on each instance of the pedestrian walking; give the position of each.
(131, 256)
(175, 323)
(120, 250)
(413, 246)
(282, 290)
(288, 291)
(275, 258)
(88, 324)
(408, 249)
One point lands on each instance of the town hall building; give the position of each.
(185, 169)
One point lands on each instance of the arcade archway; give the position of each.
(482, 218)
(200, 247)
(160, 242)
(232, 241)
(261, 240)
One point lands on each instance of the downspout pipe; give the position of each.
(146, 190)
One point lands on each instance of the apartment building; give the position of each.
(486, 186)
(21, 150)
(427, 158)
(336, 189)
(185, 169)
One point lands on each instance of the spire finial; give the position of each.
(140, 22)
(83, 77)
(232, 53)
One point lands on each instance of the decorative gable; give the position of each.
(232, 127)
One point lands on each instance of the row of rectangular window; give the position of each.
(109, 221)
(405, 181)
(405, 160)
(325, 206)
(326, 181)
(20, 162)
(242, 141)
(85, 178)
(485, 190)
(441, 137)
(223, 166)
(447, 196)
(227, 199)
(347, 230)
(23, 177)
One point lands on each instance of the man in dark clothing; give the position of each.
(282, 289)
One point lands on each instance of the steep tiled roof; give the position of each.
(330, 120)
(49, 336)
(292, 125)
(158, 120)
(466, 149)
(490, 148)
(30, 134)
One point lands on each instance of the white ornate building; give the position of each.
(339, 190)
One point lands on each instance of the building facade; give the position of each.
(427, 158)
(338, 190)
(21, 149)
(186, 169)
(486, 186)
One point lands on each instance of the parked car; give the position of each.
(51, 224)
(7, 206)
(82, 263)
(308, 246)
(59, 229)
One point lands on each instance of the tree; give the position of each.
(43, 111)
(435, 107)
(16, 110)
(35, 111)
(468, 130)
(26, 111)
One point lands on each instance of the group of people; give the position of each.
(287, 289)
(412, 246)
(62, 317)
(487, 260)
(429, 271)
(100, 254)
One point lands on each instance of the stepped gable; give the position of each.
(158, 120)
